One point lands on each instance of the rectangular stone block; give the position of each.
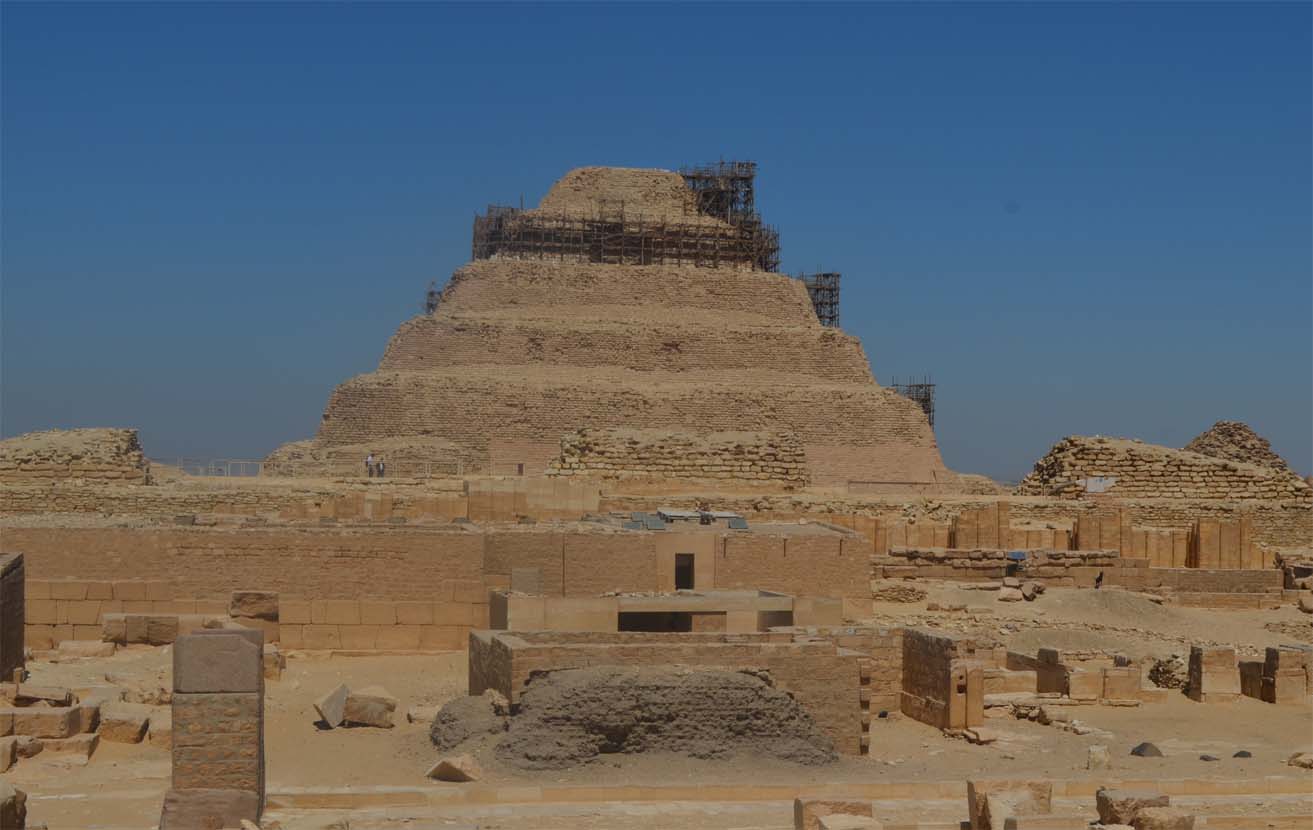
(46, 722)
(294, 611)
(1214, 674)
(398, 637)
(68, 589)
(222, 661)
(130, 589)
(217, 741)
(205, 808)
(358, 636)
(378, 612)
(320, 637)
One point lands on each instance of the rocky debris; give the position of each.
(1236, 441)
(1306, 602)
(1170, 672)
(1303, 760)
(1011, 582)
(1097, 757)
(1146, 750)
(1031, 590)
(370, 707)
(1010, 595)
(13, 806)
(1209, 758)
(124, 723)
(456, 768)
(332, 706)
(1163, 818)
(467, 717)
(896, 591)
(1122, 806)
(1244, 753)
(569, 717)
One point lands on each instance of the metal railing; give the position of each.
(248, 468)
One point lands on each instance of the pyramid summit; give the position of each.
(622, 303)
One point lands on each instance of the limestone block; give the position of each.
(1214, 675)
(1121, 806)
(262, 605)
(81, 746)
(86, 648)
(332, 706)
(88, 715)
(160, 729)
(46, 721)
(370, 707)
(217, 661)
(1163, 818)
(808, 812)
(1022, 798)
(217, 741)
(1084, 685)
(124, 723)
(27, 694)
(190, 809)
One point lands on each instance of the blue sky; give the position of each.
(1079, 218)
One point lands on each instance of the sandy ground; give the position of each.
(123, 785)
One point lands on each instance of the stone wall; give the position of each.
(1146, 470)
(623, 453)
(812, 672)
(12, 609)
(936, 688)
(79, 454)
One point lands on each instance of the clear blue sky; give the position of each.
(1078, 218)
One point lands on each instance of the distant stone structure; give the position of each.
(96, 455)
(663, 325)
(775, 458)
(1236, 441)
(1134, 469)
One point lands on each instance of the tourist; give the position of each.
(380, 468)
(369, 465)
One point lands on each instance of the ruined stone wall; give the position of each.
(928, 663)
(12, 607)
(1149, 471)
(619, 453)
(813, 672)
(1235, 441)
(799, 565)
(79, 454)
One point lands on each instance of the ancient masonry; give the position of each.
(1137, 469)
(544, 335)
(102, 455)
(12, 604)
(623, 453)
(218, 730)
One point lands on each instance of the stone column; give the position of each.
(218, 730)
(11, 615)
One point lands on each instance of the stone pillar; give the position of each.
(12, 619)
(1214, 675)
(218, 730)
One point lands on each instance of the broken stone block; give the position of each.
(421, 714)
(46, 721)
(1010, 595)
(1011, 582)
(1306, 603)
(160, 729)
(457, 768)
(13, 806)
(1121, 806)
(370, 707)
(1013, 797)
(808, 812)
(26, 746)
(1031, 590)
(195, 808)
(1163, 818)
(1303, 760)
(124, 723)
(332, 706)
(26, 694)
(262, 605)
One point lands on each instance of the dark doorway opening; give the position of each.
(683, 571)
(656, 621)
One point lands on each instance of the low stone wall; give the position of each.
(622, 453)
(1146, 470)
(83, 454)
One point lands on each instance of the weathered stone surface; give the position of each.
(160, 730)
(370, 707)
(456, 768)
(808, 812)
(216, 741)
(1121, 806)
(27, 694)
(124, 723)
(13, 806)
(1098, 758)
(46, 721)
(1010, 595)
(332, 706)
(258, 604)
(1303, 760)
(1306, 603)
(217, 661)
(85, 648)
(464, 718)
(202, 809)
(1163, 818)
(1009, 798)
(8, 752)
(80, 747)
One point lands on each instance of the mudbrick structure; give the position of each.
(683, 331)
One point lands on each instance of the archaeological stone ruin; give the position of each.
(623, 531)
